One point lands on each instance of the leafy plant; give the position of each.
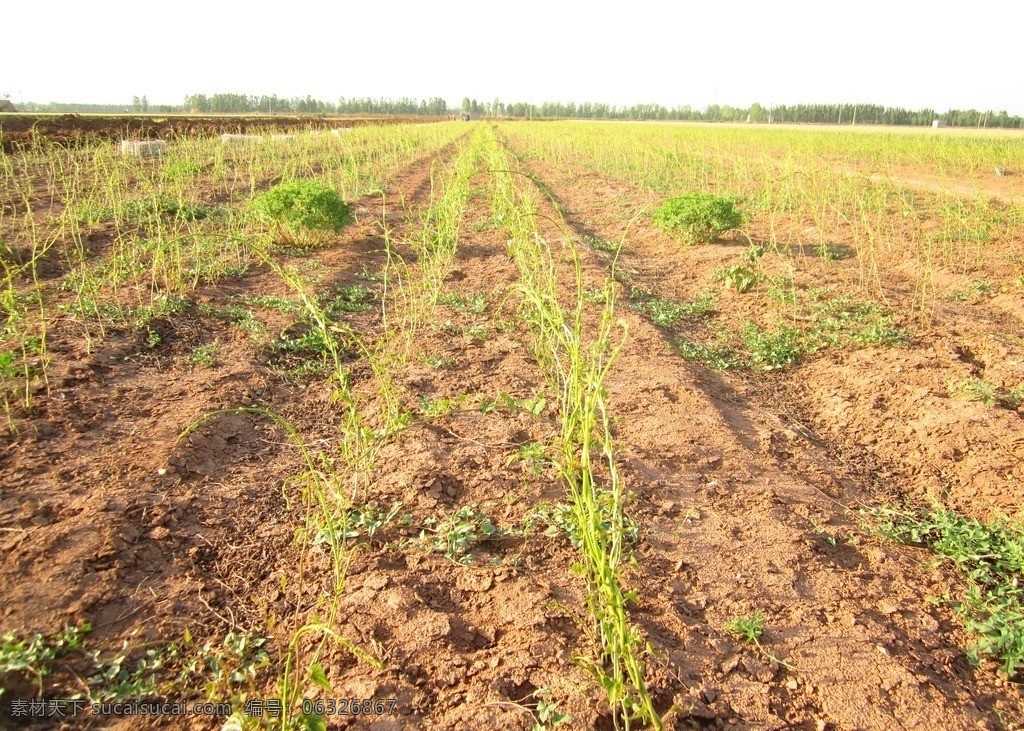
(533, 454)
(698, 218)
(454, 535)
(437, 407)
(348, 298)
(437, 361)
(990, 556)
(302, 211)
(600, 244)
(548, 716)
(475, 303)
(368, 519)
(34, 656)
(772, 349)
(717, 357)
(204, 356)
(740, 277)
(977, 389)
(666, 313)
(561, 522)
(831, 252)
(533, 405)
(750, 630)
(845, 320)
(228, 666)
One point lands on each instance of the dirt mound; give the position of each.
(69, 130)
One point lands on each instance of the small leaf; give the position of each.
(318, 676)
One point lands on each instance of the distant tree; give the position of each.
(466, 104)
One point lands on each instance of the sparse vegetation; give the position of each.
(496, 487)
(990, 558)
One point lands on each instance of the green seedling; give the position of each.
(981, 391)
(456, 534)
(34, 657)
(750, 630)
(667, 313)
(533, 454)
(438, 361)
(204, 356)
(475, 304)
(438, 407)
(740, 277)
(547, 714)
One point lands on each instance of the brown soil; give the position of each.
(19, 130)
(745, 490)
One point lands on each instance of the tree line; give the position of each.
(436, 106)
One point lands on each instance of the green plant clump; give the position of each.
(698, 218)
(301, 211)
(991, 557)
(772, 349)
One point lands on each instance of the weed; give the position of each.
(600, 244)
(559, 519)
(973, 291)
(229, 666)
(437, 361)
(990, 556)
(534, 405)
(667, 313)
(180, 170)
(348, 298)
(831, 252)
(238, 316)
(548, 716)
(772, 349)
(270, 302)
(438, 407)
(844, 320)
(740, 277)
(204, 356)
(34, 657)
(750, 630)
(302, 211)
(121, 677)
(781, 289)
(533, 454)
(717, 357)
(368, 276)
(454, 535)
(698, 218)
(976, 389)
(368, 519)
(475, 304)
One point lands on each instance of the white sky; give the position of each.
(893, 52)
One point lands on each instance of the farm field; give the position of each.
(495, 449)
